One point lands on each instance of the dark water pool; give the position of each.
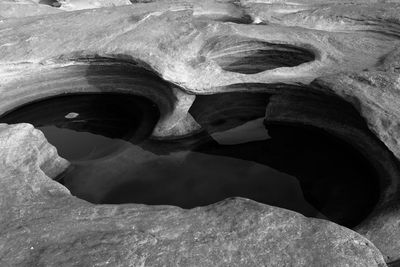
(106, 137)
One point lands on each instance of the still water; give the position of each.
(106, 137)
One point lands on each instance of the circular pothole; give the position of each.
(249, 56)
(289, 165)
(316, 168)
(87, 126)
(53, 3)
(312, 169)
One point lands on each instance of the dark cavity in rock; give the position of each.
(249, 56)
(85, 126)
(114, 160)
(242, 19)
(53, 3)
(394, 263)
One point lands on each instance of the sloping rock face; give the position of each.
(43, 225)
(345, 48)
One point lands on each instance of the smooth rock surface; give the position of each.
(193, 45)
(43, 225)
(70, 5)
(376, 94)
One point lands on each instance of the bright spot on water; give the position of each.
(71, 115)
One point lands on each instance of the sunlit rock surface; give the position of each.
(24, 8)
(70, 5)
(348, 48)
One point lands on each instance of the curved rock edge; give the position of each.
(42, 224)
(375, 72)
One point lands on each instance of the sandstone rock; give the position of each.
(336, 16)
(70, 5)
(42, 224)
(348, 48)
(376, 95)
(19, 9)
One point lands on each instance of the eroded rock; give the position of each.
(20, 9)
(70, 5)
(189, 48)
(42, 224)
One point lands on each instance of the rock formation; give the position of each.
(173, 52)
(43, 225)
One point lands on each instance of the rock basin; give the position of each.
(185, 58)
(238, 153)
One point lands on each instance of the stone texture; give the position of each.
(18, 9)
(376, 95)
(43, 225)
(355, 44)
(70, 5)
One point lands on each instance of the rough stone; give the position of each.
(348, 48)
(18, 9)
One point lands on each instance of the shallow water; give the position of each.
(77, 146)
(106, 137)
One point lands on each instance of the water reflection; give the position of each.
(250, 131)
(114, 161)
(130, 174)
